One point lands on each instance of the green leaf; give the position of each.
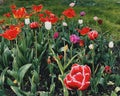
(35, 77)
(113, 94)
(2, 76)
(33, 86)
(43, 93)
(70, 61)
(19, 92)
(22, 71)
(16, 90)
(52, 88)
(10, 82)
(12, 73)
(2, 93)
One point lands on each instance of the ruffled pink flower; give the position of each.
(74, 39)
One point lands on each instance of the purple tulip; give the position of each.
(74, 38)
(82, 13)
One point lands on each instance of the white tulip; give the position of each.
(72, 4)
(95, 18)
(91, 46)
(64, 24)
(111, 44)
(48, 25)
(27, 21)
(80, 21)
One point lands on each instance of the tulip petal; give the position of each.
(84, 86)
(78, 77)
(74, 84)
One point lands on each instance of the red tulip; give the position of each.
(107, 69)
(84, 30)
(19, 13)
(78, 78)
(37, 8)
(93, 35)
(7, 15)
(34, 25)
(11, 33)
(81, 43)
(70, 13)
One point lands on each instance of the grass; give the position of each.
(108, 10)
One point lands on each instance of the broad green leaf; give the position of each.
(10, 82)
(19, 92)
(16, 90)
(20, 56)
(12, 73)
(22, 71)
(2, 76)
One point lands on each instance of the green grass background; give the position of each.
(107, 10)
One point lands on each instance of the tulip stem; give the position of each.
(71, 50)
(79, 93)
(35, 43)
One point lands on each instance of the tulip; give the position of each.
(34, 25)
(80, 21)
(92, 35)
(91, 46)
(82, 13)
(64, 24)
(72, 4)
(56, 35)
(78, 78)
(107, 69)
(48, 25)
(111, 44)
(81, 43)
(74, 39)
(100, 21)
(95, 18)
(27, 21)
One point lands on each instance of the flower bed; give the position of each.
(43, 54)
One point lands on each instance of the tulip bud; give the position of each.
(48, 25)
(48, 60)
(15, 81)
(111, 44)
